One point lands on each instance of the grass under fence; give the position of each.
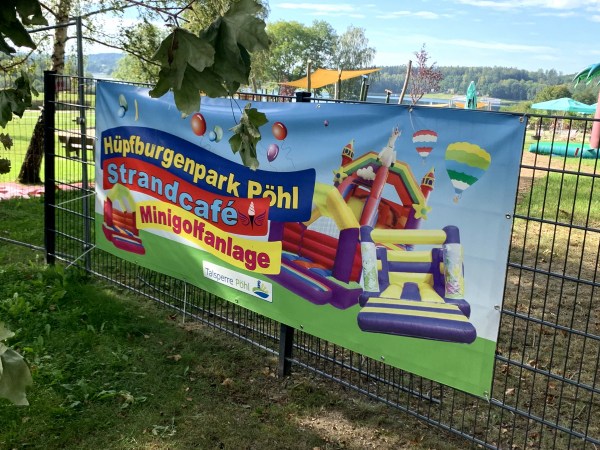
(111, 371)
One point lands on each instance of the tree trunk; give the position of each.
(406, 78)
(30, 170)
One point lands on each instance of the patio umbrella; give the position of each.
(565, 104)
(471, 99)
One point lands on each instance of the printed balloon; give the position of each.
(212, 136)
(122, 106)
(424, 141)
(465, 164)
(272, 152)
(198, 124)
(218, 133)
(279, 131)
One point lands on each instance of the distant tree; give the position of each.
(552, 93)
(140, 40)
(292, 46)
(586, 93)
(352, 52)
(424, 78)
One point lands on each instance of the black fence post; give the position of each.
(303, 97)
(286, 333)
(286, 343)
(49, 176)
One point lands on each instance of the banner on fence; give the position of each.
(381, 228)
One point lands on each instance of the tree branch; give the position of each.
(16, 63)
(48, 9)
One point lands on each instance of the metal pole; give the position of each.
(84, 162)
(49, 177)
(286, 343)
(362, 89)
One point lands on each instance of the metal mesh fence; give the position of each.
(546, 389)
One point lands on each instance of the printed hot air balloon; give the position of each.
(424, 141)
(465, 164)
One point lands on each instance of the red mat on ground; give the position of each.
(16, 190)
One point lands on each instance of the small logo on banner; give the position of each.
(236, 280)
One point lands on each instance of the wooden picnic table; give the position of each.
(72, 139)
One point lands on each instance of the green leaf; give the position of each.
(5, 333)
(12, 27)
(257, 118)
(250, 31)
(234, 36)
(235, 141)
(246, 135)
(6, 141)
(5, 166)
(182, 49)
(15, 100)
(30, 12)
(14, 372)
(4, 47)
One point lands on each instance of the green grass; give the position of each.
(567, 198)
(115, 372)
(21, 129)
(21, 220)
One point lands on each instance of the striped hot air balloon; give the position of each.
(424, 141)
(465, 164)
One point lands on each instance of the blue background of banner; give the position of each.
(316, 135)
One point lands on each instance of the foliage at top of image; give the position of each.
(12, 27)
(215, 62)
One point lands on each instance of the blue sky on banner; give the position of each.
(525, 34)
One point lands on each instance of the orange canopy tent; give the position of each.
(323, 77)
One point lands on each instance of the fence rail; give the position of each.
(546, 389)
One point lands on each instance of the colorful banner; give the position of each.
(381, 228)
